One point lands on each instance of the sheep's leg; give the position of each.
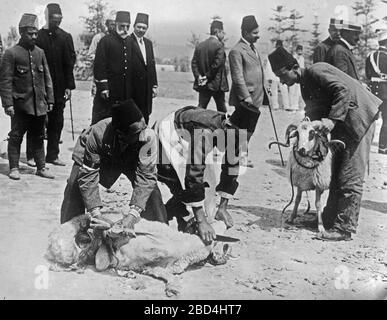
(296, 204)
(172, 287)
(319, 192)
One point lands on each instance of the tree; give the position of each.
(363, 10)
(12, 37)
(294, 29)
(280, 18)
(315, 33)
(194, 40)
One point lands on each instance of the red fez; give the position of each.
(142, 18)
(124, 115)
(249, 23)
(216, 24)
(29, 20)
(123, 16)
(280, 58)
(53, 8)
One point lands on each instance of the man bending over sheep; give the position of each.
(120, 144)
(187, 138)
(348, 111)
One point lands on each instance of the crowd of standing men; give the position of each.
(37, 80)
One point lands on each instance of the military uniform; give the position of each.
(376, 73)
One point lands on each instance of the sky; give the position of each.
(172, 21)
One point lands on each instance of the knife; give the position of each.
(226, 238)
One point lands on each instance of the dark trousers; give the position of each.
(383, 129)
(34, 126)
(102, 109)
(346, 189)
(73, 204)
(54, 130)
(219, 97)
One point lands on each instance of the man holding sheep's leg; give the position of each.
(348, 111)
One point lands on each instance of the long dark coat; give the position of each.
(58, 47)
(112, 67)
(144, 75)
(320, 52)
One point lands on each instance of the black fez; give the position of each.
(124, 116)
(53, 8)
(280, 58)
(245, 117)
(142, 18)
(249, 23)
(123, 16)
(216, 24)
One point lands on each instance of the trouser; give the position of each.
(294, 96)
(34, 126)
(383, 129)
(284, 95)
(102, 109)
(54, 130)
(73, 204)
(219, 97)
(274, 94)
(346, 189)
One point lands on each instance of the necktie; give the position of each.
(141, 41)
(252, 47)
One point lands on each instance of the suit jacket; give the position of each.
(112, 67)
(247, 76)
(58, 47)
(209, 60)
(144, 75)
(330, 93)
(97, 150)
(321, 50)
(378, 88)
(342, 58)
(24, 83)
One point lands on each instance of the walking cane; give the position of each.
(71, 118)
(274, 127)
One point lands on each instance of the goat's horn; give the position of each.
(279, 143)
(339, 142)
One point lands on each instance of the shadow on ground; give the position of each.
(373, 205)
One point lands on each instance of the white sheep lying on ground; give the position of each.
(158, 250)
(309, 163)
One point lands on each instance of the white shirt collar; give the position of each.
(138, 38)
(347, 44)
(246, 41)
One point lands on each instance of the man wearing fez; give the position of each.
(186, 137)
(323, 47)
(122, 144)
(27, 95)
(376, 73)
(113, 68)
(247, 89)
(58, 47)
(143, 66)
(341, 55)
(347, 110)
(209, 70)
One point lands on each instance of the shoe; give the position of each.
(14, 174)
(56, 162)
(335, 235)
(31, 163)
(382, 150)
(246, 163)
(44, 173)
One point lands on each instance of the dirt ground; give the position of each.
(269, 263)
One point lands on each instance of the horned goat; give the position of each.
(157, 250)
(309, 163)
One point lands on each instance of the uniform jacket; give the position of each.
(342, 58)
(193, 122)
(144, 75)
(247, 75)
(112, 66)
(379, 87)
(58, 47)
(209, 60)
(321, 50)
(25, 81)
(97, 150)
(330, 93)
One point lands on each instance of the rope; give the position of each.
(291, 200)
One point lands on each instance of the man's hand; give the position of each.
(154, 92)
(223, 215)
(202, 81)
(327, 125)
(67, 95)
(206, 232)
(50, 107)
(105, 94)
(9, 111)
